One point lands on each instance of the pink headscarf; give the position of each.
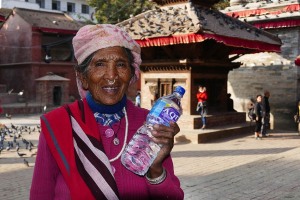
(91, 38)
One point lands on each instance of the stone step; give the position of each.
(197, 136)
(190, 122)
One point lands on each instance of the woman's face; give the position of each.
(258, 99)
(108, 75)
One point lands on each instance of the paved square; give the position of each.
(239, 168)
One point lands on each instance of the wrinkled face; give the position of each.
(108, 75)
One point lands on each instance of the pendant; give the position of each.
(113, 169)
(109, 133)
(116, 141)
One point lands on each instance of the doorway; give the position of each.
(57, 93)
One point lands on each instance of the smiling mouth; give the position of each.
(110, 89)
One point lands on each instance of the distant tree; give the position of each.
(115, 11)
(221, 5)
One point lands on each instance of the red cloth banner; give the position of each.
(194, 38)
(262, 11)
(278, 24)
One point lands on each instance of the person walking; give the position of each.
(265, 113)
(297, 116)
(81, 143)
(138, 99)
(202, 104)
(258, 109)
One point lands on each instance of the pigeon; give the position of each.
(21, 154)
(8, 116)
(10, 91)
(21, 93)
(26, 162)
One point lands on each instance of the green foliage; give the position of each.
(221, 5)
(114, 11)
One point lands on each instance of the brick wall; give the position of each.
(280, 77)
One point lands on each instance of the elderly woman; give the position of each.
(81, 143)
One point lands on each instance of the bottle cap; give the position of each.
(180, 90)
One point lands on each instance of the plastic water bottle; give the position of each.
(141, 151)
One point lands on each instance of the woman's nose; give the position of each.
(112, 72)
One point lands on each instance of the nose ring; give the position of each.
(111, 82)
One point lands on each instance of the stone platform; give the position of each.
(197, 136)
(219, 125)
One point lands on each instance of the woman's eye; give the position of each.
(121, 64)
(99, 64)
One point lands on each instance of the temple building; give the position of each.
(32, 44)
(188, 43)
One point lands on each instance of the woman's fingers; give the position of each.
(164, 134)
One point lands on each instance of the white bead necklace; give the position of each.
(125, 138)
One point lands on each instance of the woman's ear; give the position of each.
(83, 80)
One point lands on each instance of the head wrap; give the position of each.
(91, 38)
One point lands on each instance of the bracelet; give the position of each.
(157, 180)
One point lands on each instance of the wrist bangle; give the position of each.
(157, 180)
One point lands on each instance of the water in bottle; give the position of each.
(141, 151)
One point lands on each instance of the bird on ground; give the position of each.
(10, 91)
(30, 147)
(8, 116)
(13, 126)
(17, 146)
(34, 154)
(21, 93)
(21, 154)
(26, 162)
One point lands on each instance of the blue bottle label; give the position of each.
(163, 113)
(157, 108)
(170, 114)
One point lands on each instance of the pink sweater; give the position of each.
(48, 182)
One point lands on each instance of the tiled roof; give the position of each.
(50, 20)
(4, 14)
(52, 77)
(262, 59)
(186, 18)
(200, 2)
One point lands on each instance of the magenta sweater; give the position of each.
(48, 182)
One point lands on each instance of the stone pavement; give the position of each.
(238, 168)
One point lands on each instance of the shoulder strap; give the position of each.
(91, 161)
(81, 108)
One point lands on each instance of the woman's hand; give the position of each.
(163, 135)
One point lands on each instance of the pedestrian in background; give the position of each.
(297, 116)
(1, 110)
(202, 104)
(265, 114)
(138, 99)
(258, 109)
